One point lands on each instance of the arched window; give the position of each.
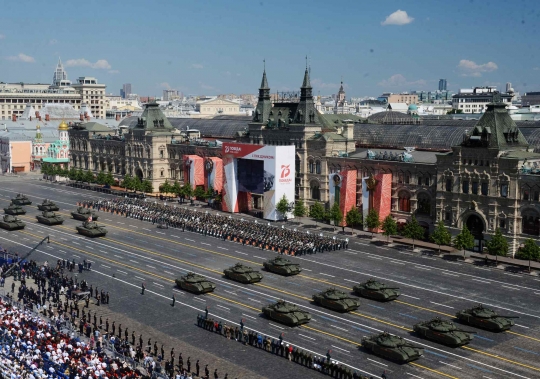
(404, 201)
(162, 172)
(530, 223)
(315, 190)
(311, 166)
(424, 204)
(318, 167)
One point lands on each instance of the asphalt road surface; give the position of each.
(135, 251)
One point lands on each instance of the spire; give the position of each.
(306, 83)
(264, 82)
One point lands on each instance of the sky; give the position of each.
(211, 47)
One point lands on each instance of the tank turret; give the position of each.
(286, 313)
(195, 283)
(443, 331)
(486, 318)
(392, 347)
(243, 274)
(48, 205)
(10, 222)
(375, 290)
(91, 229)
(50, 218)
(21, 199)
(336, 300)
(14, 209)
(82, 214)
(282, 266)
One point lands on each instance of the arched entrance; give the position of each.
(476, 227)
(139, 174)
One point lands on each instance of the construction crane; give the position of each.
(15, 264)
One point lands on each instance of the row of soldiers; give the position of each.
(278, 347)
(264, 236)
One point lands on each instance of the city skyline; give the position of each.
(213, 47)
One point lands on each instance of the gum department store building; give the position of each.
(484, 174)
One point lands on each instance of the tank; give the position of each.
(392, 347)
(286, 313)
(375, 290)
(443, 331)
(243, 274)
(485, 318)
(14, 209)
(282, 266)
(336, 300)
(83, 214)
(195, 283)
(21, 199)
(10, 222)
(50, 218)
(91, 229)
(48, 205)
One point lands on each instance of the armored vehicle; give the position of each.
(10, 222)
(243, 274)
(286, 313)
(91, 229)
(443, 331)
(336, 300)
(48, 205)
(375, 290)
(21, 199)
(485, 318)
(392, 347)
(14, 210)
(50, 218)
(83, 214)
(282, 266)
(195, 283)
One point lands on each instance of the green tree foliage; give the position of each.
(89, 177)
(186, 191)
(80, 175)
(283, 207)
(498, 244)
(109, 179)
(353, 218)
(175, 188)
(146, 186)
(389, 227)
(530, 251)
(413, 230)
(199, 193)
(136, 184)
(335, 214)
(316, 212)
(441, 235)
(372, 221)
(127, 183)
(101, 178)
(464, 240)
(72, 175)
(165, 187)
(299, 209)
(209, 193)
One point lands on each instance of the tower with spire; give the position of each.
(60, 78)
(341, 101)
(264, 104)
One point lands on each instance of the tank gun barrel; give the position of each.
(508, 316)
(390, 288)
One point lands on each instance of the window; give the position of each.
(426, 181)
(448, 186)
(504, 190)
(502, 223)
(404, 201)
(536, 196)
(484, 188)
(530, 223)
(311, 167)
(407, 179)
(161, 153)
(315, 190)
(419, 180)
(424, 204)
(318, 167)
(448, 216)
(526, 195)
(475, 188)
(465, 186)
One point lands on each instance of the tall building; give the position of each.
(125, 91)
(442, 84)
(170, 94)
(60, 78)
(476, 100)
(509, 88)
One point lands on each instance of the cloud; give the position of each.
(399, 80)
(322, 85)
(208, 88)
(2, 36)
(100, 64)
(470, 68)
(113, 71)
(165, 85)
(22, 58)
(197, 66)
(53, 41)
(399, 17)
(536, 68)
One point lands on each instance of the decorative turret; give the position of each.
(39, 135)
(306, 113)
(264, 104)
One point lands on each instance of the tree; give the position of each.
(353, 218)
(389, 227)
(136, 185)
(283, 207)
(335, 214)
(127, 183)
(299, 209)
(497, 245)
(372, 221)
(530, 251)
(413, 230)
(441, 235)
(316, 212)
(109, 179)
(186, 191)
(89, 177)
(165, 187)
(464, 240)
(209, 193)
(80, 175)
(146, 186)
(101, 177)
(175, 188)
(72, 175)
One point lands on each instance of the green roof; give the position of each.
(332, 121)
(96, 127)
(153, 119)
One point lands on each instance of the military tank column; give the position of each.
(485, 318)
(336, 300)
(392, 347)
(10, 223)
(21, 199)
(444, 332)
(282, 266)
(14, 209)
(243, 274)
(91, 229)
(375, 290)
(50, 218)
(48, 205)
(82, 214)
(286, 313)
(195, 283)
